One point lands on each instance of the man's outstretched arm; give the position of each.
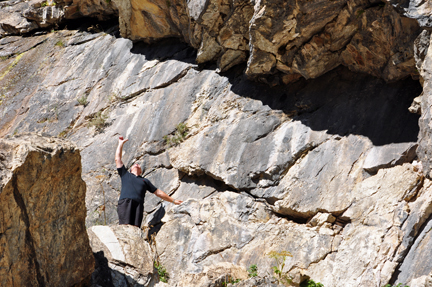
(118, 154)
(166, 197)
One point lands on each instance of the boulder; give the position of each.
(42, 235)
(123, 256)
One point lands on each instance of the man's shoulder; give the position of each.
(122, 170)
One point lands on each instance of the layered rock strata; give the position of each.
(321, 168)
(43, 239)
(290, 39)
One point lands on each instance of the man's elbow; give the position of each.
(118, 162)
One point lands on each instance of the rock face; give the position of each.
(290, 39)
(320, 168)
(42, 231)
(323, 159)
(124, 257)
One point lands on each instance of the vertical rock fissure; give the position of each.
(28, 238)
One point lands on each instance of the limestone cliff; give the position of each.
(43, 240)
(298, 132)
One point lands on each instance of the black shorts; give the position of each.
(130, 212)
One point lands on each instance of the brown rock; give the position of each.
(42, 215)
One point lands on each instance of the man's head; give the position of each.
(136, 169)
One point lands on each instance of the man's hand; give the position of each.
(177, 202)
(122, 141)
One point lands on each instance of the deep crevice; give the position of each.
(207, 180)
(32, 258)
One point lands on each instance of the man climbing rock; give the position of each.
(133, 187)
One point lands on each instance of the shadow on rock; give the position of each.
(107, 277)
(342, 102)
(170, 48)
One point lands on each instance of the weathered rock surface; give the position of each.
(316, 167)
(423, 60)
(225, 234)
(21, 17)
(290, 38)
(124, 257)
(42, 216)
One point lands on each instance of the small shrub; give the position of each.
(310, 283)
(46, 3)
(98, 121)
(59, 44)
(253, 270)
(230, 280)
(398, 285)
(178, 137)
(83, 101)
(62, 134)
(163, 274)
(280, 258)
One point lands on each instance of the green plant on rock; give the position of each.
(360, 12)
(280, 258)
(253, 270)
(398, 285)
(63, 134)
(98, 121)
(310, 283)
(178, 137)
(230, 280)
(60, 44)
(163, 274)
(83, 101)
(46, 3)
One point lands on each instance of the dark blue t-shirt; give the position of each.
(134, 187)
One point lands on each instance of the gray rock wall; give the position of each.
(322, 168)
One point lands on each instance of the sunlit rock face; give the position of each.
(313, 159)
(43, 237)
(290, 39)
(298, 134)
(284, 39)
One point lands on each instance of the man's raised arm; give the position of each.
(118, 154)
